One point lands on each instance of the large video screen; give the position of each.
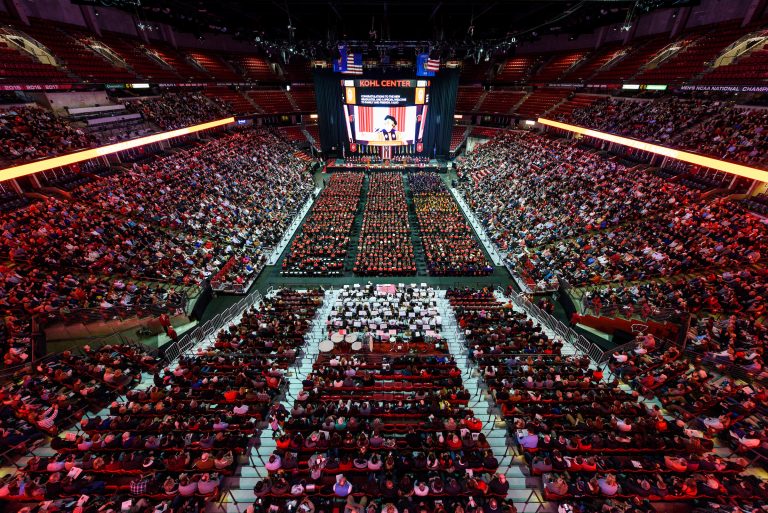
(385, 112)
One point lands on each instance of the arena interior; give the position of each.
(388, 256)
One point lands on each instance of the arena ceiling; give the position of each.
(398, 20)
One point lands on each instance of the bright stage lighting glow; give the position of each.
(10, 173)
(685, 156)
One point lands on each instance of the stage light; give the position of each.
(81, 156)
(684, 156)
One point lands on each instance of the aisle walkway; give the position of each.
(252, 470)
(526, 499)
(480, 233)
(291, 230)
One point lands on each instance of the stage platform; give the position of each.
(441, 166)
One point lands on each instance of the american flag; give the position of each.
(432, 64)
(354, 63)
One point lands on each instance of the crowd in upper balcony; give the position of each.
(32, 133)
(170, 111)
(718, 128)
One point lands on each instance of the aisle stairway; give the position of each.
(251, 470)
(418, 246)
(354, 238)
(522, 490)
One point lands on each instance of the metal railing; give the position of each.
(211, 326)
(95, 344)
(596, 353)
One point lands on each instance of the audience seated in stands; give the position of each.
(178, 110)
(708, 126)
(32, 133)
(167, 446)
(321, 247)
(385, 247)
(138, 242)
(411, 448)
(450, 247)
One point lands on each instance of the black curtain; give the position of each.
(442, 105)
(330, 120)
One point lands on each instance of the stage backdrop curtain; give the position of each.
(442, 105)
(330, 115)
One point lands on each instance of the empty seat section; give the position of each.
(467, 98)
(541, 101)
(471, 72)
(515, 70)
(557, 66)
(19, 68)
(271, 101)
(79, 59)
(233, 99)
(134, 53)
(457, 136)
(500, 102)
(692, 58)
(178, 61)
(628, 67)
(591, 64)
(214, 65)
(304, 97)
(751, 68)
(256, 67)
(298, 71)
(314, 132)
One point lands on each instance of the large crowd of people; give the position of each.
(417, 447)
(383, 423)
(638, 244)
(544, 201)
(450, 247)
(138, 241)
(712, 127)
(229, 200)
(32, 133)
(52, 395)
(166, 446)
(388, 398)
(385, 247)
(170, 111)
(321, 247)
(590, 439)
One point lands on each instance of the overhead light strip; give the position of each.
(684, 156)
(10, 173)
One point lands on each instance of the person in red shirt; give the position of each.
(230, 395)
